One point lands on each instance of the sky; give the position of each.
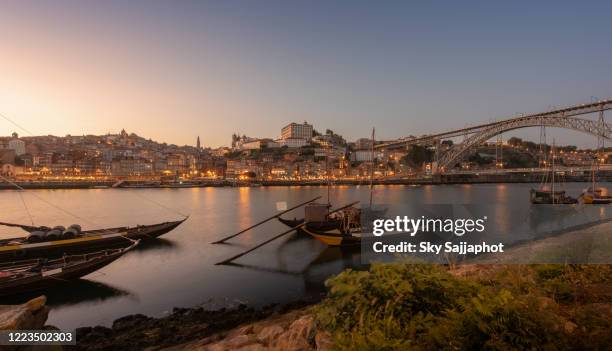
(175, 70)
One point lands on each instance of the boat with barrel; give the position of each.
(36, 274)
(46, 242)
(342, 227)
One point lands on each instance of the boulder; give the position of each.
(269, 333)
(31, 315)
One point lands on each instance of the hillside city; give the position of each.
(301, 152)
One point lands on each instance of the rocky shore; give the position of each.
(181, 327)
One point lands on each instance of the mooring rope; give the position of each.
(26, 208)
(47, 202)
(170, 209)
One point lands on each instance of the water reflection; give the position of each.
(155, 244)
(71, 293)
(179, 270)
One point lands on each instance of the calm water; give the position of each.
(179, 270)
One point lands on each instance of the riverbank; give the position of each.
(182, 326)
(562, 302)
(459, 178)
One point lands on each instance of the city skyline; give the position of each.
(173, 72)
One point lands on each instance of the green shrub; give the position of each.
(424, 307)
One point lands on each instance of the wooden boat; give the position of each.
(597, 196)
(334, 237)
(40, 244)
(324, 225)
(550, 197)
(547, 195)
(31, 275)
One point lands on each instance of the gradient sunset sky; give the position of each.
(173, 70)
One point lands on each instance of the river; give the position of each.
(179, 270)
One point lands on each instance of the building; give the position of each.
(363, 144)
(292, 142)
(17, 145)
(297, 131)
(260, 144)
(10, 170)
(364, 156)
(7, 156)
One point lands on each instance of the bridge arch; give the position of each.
(458, 151)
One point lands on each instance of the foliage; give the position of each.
(424, 307)
(417, 155)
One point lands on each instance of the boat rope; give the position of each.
(65, 211)
(15, 124)
(36, 196)
(135, 193)
(26, 208)
(47, 202)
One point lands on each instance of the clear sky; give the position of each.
(173, 70)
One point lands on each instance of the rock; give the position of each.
(297, 337)
(130, 322)
(238, 341)
(302, 327)
(248, 329)
(323, 341)
(30, 315)
(269, 333)
(289, 341)
(216, 347)
(253, 347)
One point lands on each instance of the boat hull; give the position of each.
(333, 238)
(317, 226)
(90, 241)
(60, 271)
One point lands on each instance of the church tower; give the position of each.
(198, 143)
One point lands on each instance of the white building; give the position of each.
(363, 144)
(297, 131)
(364, 155)
(17, 145)
(292, 142)
(260, 144)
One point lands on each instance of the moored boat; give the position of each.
(44, 242)
(547, 195)
(334, 237)
(550, 197)
(597, 196)
(31, 275)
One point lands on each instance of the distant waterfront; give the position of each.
(457, 178)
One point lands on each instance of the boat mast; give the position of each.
(327, 174)
(553, 173)
(372, 169)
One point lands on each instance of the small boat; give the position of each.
(596, 196)
(329, 224)
(547, 195)
(341, 228)
(334, 237)
(338, 228)
(32, 275)
(45, 242)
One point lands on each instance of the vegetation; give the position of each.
(417, 155)
(427, 307)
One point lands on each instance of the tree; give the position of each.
(417, 155)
